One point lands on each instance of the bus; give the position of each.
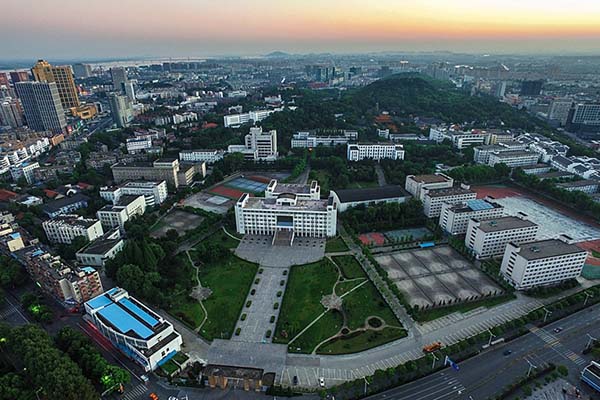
(591, 375)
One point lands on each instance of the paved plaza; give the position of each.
(258, 316)
(209, 202)
(435, 276)
(259, 249)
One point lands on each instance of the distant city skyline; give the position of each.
(130, 28)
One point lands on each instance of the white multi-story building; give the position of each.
(586, 186)
(434, 199)
(474, 137)
(140, 333)
(481, 154)
(201, 155)
(235, 120)
(265, 143)
(311, 191)
(138, 144)
(286, 215)
(65, 228)
(418, 184)
(375, 151)
(488, 238)
(96, 254)
(25, 169)
(116, 215)
(454, 218)
(545, 262)
(154, 192)
(513, 159)
(312, 139)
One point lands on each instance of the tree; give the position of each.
(12, 274)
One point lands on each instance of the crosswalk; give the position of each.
(135, 393)
(554, 343)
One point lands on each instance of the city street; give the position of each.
(484, 376)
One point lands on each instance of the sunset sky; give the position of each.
(116, 28)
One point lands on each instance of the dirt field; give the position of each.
(179, 220)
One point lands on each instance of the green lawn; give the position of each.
(362, 341)
(365, 302)
(346, 286)
(301, 303)
(223, 239)
(230, 280)
(335, 245)
(187, 310)
(350, 267)
(327, 326)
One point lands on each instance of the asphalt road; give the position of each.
(484, 376)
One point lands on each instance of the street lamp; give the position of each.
(589, 343)
(548, 312)
(587, 297)
(531, 367)
(366, 384)
(491, 337)
(434, 360)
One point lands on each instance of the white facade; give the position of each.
(154, 192)
(113, 216)
(418, 184)
(375, 151)
(545, 262)
(137, 331)
(207, 156)
(488, 238)
(312, 139)
(454, 218)
(138, 144)
(434, 199)
(287, 213)
(25, 170)
(265, 143)
(245, 118)
(311, 191)
(513, 159)
(96, 254)
(65, 228)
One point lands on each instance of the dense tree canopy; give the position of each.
(384, 216)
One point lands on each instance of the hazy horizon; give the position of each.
(70, 29)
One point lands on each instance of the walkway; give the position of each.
(380, 175)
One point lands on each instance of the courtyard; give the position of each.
(259, 249)
(436, 276)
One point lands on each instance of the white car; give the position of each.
(322, 382)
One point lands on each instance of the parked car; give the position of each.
(295, 380)
(322, 382)
(507, 352)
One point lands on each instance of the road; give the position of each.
(485, 375)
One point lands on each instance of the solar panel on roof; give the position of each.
(478, 205)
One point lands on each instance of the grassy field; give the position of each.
(222, 239)
(327, 326)
(350, 267)
(229, 279)
(362, 341)
(301, 304)
(187, 310)
(365, 302)
(346, 286)
(335, 245)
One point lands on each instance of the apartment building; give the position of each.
(24, 170)
(62, 75)
(235, 120)
(454, 218)
(69, 285)
(154, 192)
(41, 106)
(116, 215)
(588, 186)
(265, 143)
(488, 238)
(65, 228)
(136, 330)
(138, 145)
(201, 155)
(540, 263)
(286, 215)
(375, 151)
(434, 199)
(418, 184)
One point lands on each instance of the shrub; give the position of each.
(260, 270)
(256, 281)
(279, 293)
(238, 331)
(272, 319)
(268, 335)
(281, 282)
(275, 306)
(252, 292)
(243, 317)
(285, 272)
(248, 303)
(564, 371)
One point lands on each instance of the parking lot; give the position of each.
(435, 276)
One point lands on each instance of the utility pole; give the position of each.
(434, 360)
(592, 340)
(366, 384)
(587, 297)
(491, 337)
(548, 312)
(531, 367)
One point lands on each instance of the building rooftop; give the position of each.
(368, 194)
(64, 202)
(430, 178)
(73, 220)
(555, 175)
(536, 166)
(271, 204)
(99, 246)
(515, 153)
(474, 205)
(453, 191)
(504, 224)
(581, 183)
(547, 248)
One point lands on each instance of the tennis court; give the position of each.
(372, 239)
(247, 185)
(404, 234)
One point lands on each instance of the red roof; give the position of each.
(6, 195)
(50, 193)
(84, 185)
(209, 125)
